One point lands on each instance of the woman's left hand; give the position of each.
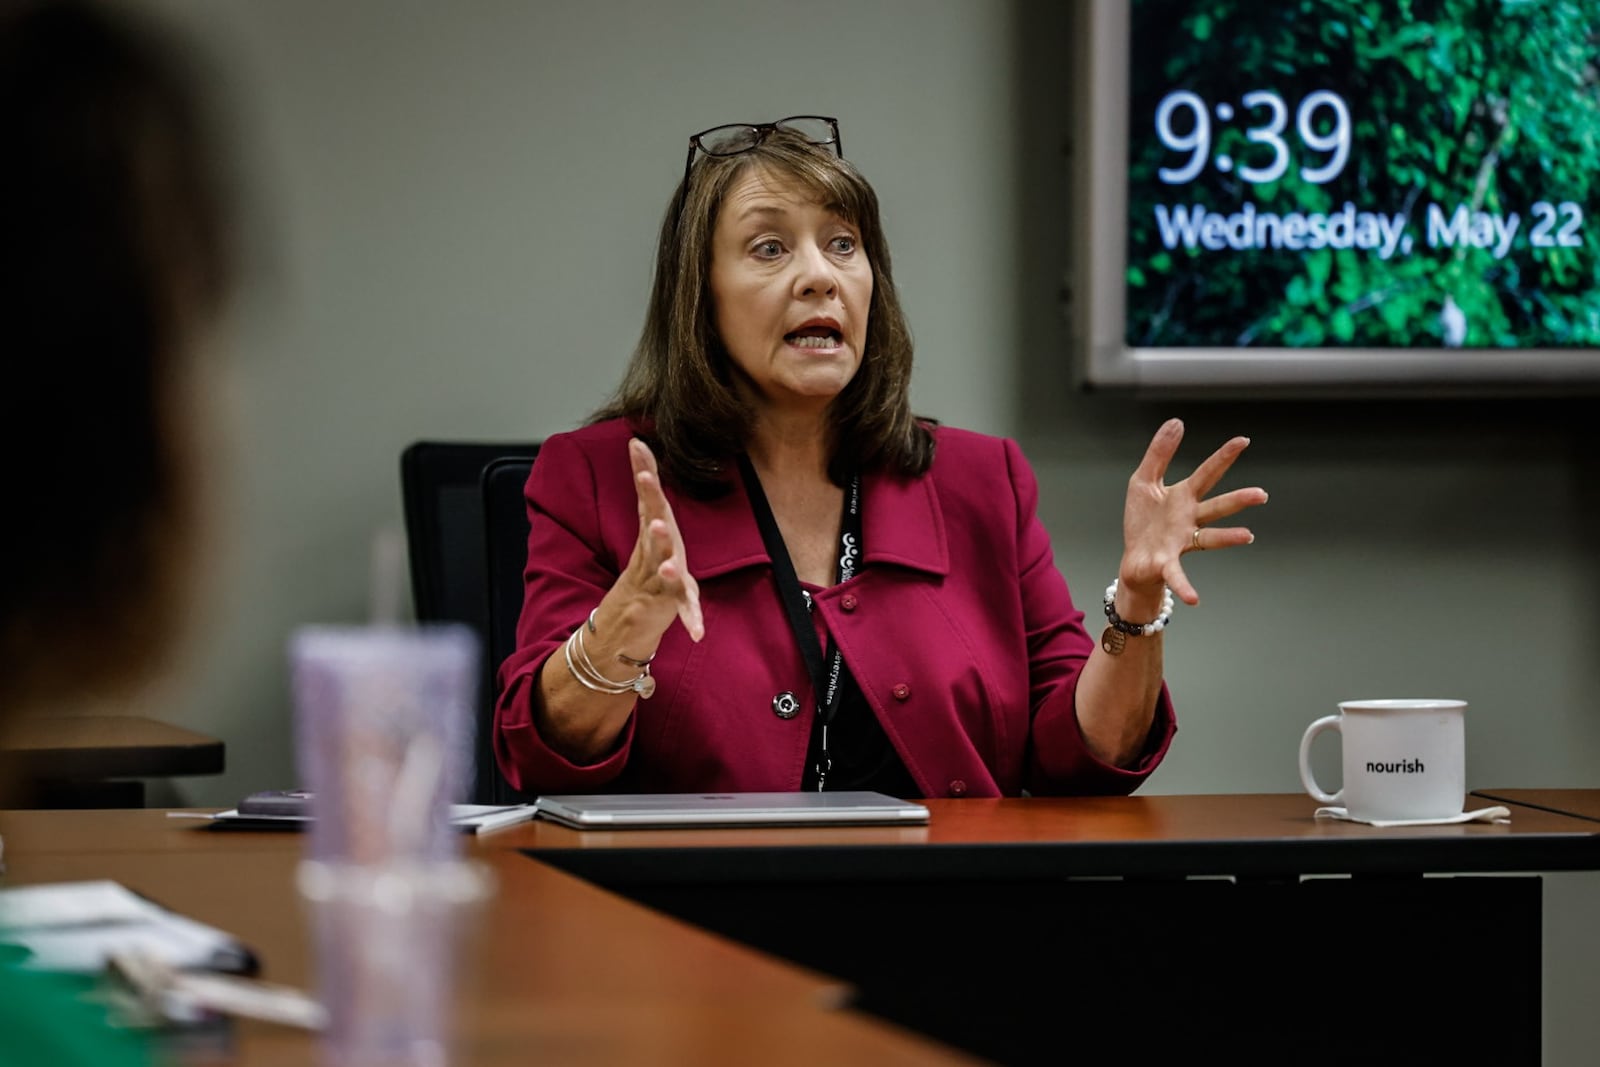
(1160, 522)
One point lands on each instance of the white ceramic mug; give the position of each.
(1403, 759)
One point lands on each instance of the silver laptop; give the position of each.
(613, 810)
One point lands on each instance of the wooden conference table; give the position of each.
(1016, 931)
(560, 972)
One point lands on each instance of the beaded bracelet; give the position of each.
(1115, 637)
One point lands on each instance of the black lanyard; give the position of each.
(797, 603)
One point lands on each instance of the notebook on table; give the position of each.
(618, 810)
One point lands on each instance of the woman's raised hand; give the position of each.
(1161, 522)
(657, 578)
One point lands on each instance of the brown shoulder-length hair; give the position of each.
(679, 391)
(115, 258)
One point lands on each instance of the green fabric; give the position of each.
(46, 1021)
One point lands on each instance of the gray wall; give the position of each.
(451, 219)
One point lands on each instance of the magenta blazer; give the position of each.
(958, 627)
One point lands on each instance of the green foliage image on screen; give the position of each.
(1377, 174)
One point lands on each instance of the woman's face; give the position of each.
(791, 288)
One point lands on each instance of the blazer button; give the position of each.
(958, 788)
(848, 602)
(901, 691)
(785, 705)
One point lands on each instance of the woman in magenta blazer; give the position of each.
(757, 570)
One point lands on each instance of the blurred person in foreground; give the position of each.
(757, 570)
(114, 263)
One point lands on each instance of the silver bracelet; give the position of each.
(622, 657)
(583, 669)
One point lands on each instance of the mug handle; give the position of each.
(1327, 722)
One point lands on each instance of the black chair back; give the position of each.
(441, 489)
(505, 516)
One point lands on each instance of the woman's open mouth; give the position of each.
(816, 337)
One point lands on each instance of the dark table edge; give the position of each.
(1387, 857)
(162, 762)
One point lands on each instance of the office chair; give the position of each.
(440, 484)
(505, 515)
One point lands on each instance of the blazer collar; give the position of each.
(902, 525)
(720, 534)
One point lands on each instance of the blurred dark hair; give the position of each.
(114, 257)
(678, 389)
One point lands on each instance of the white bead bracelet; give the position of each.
(1117, 633)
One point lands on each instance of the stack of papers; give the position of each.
(79, 926)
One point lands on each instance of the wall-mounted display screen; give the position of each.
(1345, 192)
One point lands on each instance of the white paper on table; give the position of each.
(1494, 814)
(478, 818)
(77, 926)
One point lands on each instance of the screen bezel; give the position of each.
(1107, 361)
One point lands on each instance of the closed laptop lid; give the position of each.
(727, 809)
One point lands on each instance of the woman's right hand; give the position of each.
(577, 719)
(656, 586)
